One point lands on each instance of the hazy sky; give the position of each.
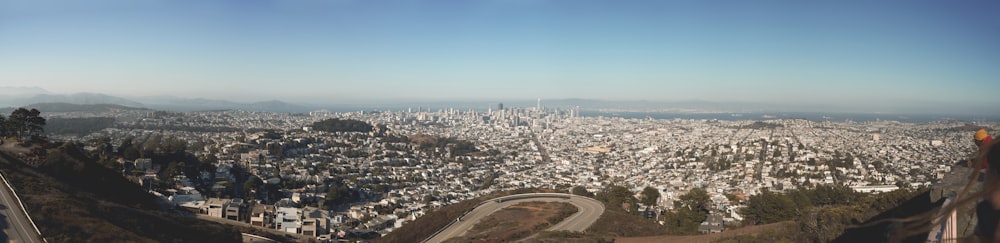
(829, 52)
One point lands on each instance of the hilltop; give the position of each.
(72, 198)
(425, 226)
(614, 222)
(70, 107)
(824, 214)
(78, 98)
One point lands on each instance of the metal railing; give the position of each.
(946, 231)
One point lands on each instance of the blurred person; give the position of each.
(982, 138)
(985, 202)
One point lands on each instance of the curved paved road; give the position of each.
(590, 211)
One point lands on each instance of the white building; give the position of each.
(288, 219)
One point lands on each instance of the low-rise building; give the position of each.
(216, 207)
(184, 195)
(315, 222)
(236, 209)
(712, 224)
(262, 215)
(288, 219)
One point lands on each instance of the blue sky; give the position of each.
(845, 53)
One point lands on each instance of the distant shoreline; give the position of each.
(812, 116)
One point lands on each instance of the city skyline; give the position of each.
(869, 56)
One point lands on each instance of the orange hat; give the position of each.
(981, 134)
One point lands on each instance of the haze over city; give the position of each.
(866, 57)
(499, 121)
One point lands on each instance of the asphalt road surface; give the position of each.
(589, 211)
(15, 224)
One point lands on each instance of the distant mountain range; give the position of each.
(6, 91)
(68, 107)
(44, 100)
(199, 104)
(24, 96)
(80, 98)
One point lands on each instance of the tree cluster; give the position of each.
(166, 151)
(650, 196)
(770, 207)
(338, 194)
(833, 213)
(433, 144)
(762, 125)
(338, 125)
(617, 196)
(581, 191)
(23, 123)
(689, 211)
(80, 126)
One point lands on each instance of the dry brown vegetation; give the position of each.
(749, 232)
(615, 222)
(517, 222)
(425, 226)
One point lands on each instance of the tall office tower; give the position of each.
(500, 106)
(539, 107)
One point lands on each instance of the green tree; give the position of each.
(801, 198)
(24, 122)
(151, 147)
(682, 221)
(581, 191)
(733, 199)
(251, 186)
(617, 196)
(337, 194)
(650, 196)
(696, 199)
(769, 207)
(104, 150)
(174, 169)
(828, 195)
(338, 125)
(689, 211)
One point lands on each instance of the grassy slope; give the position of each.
(517, 222)
(773, 233)
(615, 222)
(72, 199)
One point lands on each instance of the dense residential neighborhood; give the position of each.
(299, 174)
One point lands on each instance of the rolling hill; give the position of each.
(71, 198)
(70, 107)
